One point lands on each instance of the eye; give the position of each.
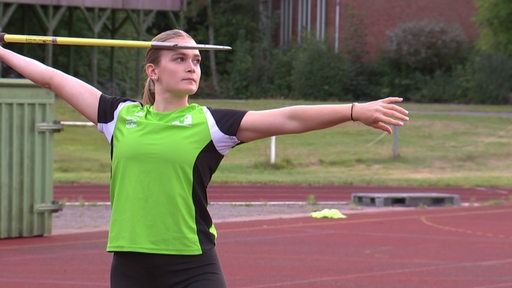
(197, 61)
(179, 59)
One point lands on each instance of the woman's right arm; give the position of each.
(80, 95)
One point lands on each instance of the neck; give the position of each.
(166, 105)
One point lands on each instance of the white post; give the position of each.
(337, 27)
(396, 153)
(272, 150)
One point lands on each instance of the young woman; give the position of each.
(164, 153)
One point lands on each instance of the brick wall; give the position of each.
(378, 17)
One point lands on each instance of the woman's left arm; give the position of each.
(378, 114)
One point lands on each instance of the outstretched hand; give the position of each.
(381, 114)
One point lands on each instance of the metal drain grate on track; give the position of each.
(405, 199)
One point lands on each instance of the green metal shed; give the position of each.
(26, 159)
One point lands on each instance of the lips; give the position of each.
(190, 79)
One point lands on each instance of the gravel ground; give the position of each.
(80, 218)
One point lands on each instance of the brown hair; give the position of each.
(153, 57)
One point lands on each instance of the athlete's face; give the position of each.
(179, 70)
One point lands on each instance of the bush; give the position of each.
(486, 78)
(390, 77)
(281, 73)
(240, 77)
(428, 46)
(318, 73)
(442, 87)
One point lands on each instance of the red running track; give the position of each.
(271, 193)
(468, 247)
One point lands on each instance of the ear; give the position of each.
(151, 70)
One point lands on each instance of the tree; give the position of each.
(493, 17)
(211, 39)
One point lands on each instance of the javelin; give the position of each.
(53, 40)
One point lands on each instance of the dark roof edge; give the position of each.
(163, 5)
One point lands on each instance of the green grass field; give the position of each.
(435, 150)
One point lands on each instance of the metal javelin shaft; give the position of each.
(49, 40)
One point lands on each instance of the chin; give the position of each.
(188, 91)
(193, 91)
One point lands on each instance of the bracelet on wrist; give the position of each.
(352, 111)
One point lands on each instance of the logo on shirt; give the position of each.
(131, 122)
(185, 121)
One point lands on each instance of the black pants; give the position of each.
(144, 270)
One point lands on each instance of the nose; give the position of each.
(191, 68)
